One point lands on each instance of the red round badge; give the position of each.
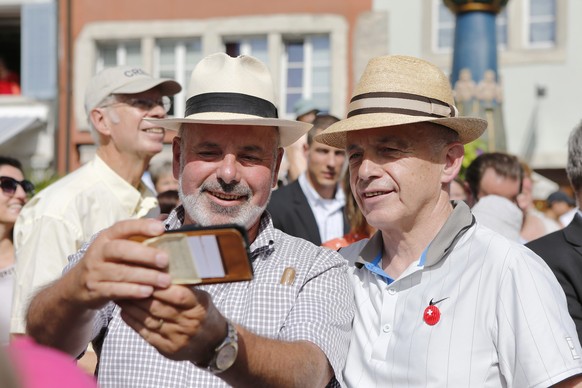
(432, 315)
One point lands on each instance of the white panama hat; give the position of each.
(234, 91)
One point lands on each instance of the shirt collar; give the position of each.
(454, 228)
(313, 196)
(137, 201)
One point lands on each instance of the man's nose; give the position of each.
(227, 170)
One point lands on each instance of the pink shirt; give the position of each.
(39, 366)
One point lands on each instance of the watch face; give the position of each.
(226, 357)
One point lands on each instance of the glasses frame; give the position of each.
(142, 103)
(26, 185)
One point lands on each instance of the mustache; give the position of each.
(236, 188)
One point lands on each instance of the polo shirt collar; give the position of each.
(454, 228)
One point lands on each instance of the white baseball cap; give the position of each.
(125, 80)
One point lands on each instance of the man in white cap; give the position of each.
(289, 326)
(59, 219)
(440, 300)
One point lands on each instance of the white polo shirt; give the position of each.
(503, 319)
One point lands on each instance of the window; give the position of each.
(501, 22)
(118, 54)
(255, 46)
(172, 48)
(306, 72)
(175, 59)
(541, 26)
(444, 28)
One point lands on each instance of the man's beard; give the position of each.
(204, 212)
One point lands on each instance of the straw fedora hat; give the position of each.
(234, 91)
(397, 90)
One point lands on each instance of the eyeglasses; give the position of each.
(145, 104)
(9, 185)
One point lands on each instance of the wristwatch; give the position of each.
(225, 353)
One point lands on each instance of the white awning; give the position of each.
(11, 126)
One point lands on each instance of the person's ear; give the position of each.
(453, 162)
(275, 181)
(100, 121)
(176, 154)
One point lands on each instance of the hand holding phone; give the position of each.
(203, 255)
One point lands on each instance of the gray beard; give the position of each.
(206, 213)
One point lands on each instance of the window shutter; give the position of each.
(39, 50)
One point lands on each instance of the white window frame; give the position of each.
(120, 53)
(179, 100)
(306, 89)
(436, 26)
(527, 26)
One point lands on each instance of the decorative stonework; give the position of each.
(488, 91)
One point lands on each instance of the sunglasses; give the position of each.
(145, 104)
(9, 185)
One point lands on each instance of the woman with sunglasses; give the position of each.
(14, 193)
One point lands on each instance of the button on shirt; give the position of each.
(328, 213)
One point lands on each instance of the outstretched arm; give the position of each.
(112, 268)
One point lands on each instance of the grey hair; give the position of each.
(110, 99)
(574, 165)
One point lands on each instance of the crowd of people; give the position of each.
(375, 261)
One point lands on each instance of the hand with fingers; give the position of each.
(182, 323)
(112, 268)
(117, 268)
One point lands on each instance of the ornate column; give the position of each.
(474, 74)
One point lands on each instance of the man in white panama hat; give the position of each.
(440, 300)
(289, 326)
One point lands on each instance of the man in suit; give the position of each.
(312, 207)
(562, 250)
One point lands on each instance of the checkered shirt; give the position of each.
(318, 307)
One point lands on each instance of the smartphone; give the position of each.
(205, 255)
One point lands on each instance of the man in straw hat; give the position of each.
(290, 325)
(441, 301)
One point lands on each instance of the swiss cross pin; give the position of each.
(432, 314)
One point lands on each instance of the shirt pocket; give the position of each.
(264, 307)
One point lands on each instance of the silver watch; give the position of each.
(225, 353)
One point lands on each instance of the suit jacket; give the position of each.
(562, 250)
(292, 214)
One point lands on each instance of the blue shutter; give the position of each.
(39, 50)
